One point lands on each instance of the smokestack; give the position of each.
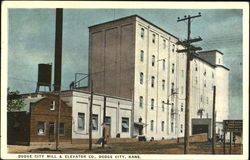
(58, 50)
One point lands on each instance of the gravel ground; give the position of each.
(155, 147)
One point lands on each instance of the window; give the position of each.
(53, 105)
(172, 127)
(201, 98)
(212, 74)
(152, 125)
(142, 56)
(205, 84)
(196, 67)
(142, 32)
(172, 108)
(182, 108)
(81, 120)
(141, 101)
(163, 84)
(173, 65)
(153, 38)
(61, 130)
(153, 60)
(163, 64)
(125, 124)
(172, 88)
(107, 120)
(164, 43)
(181, 128)
(41, 128)
(152, 81)
(95, 122)
(152, 103)
(219, 60)
(182, 73)
(196, 80)
(173, 49)
(141, 78)
(162, 126)
(205, 72)
(163, 106)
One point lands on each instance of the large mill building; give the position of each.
(135, 59)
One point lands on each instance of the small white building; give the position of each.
(118, 121)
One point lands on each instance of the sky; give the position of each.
(32, 39)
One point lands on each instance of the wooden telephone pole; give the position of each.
(190, 51)
(214, 122)
(90, 115)
(104, 116)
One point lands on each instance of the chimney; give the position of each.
(58, 50)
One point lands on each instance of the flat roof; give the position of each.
(135, 15)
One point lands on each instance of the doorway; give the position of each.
(51, 131)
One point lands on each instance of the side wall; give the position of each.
(112, 58)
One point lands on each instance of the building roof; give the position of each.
(215, 50)
(27, 102)
(205, 61)
(135, 15)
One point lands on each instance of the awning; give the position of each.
(140, 123)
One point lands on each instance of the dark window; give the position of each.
(163, 84)
(142, 32)
(163, 64)
(164, 43)
(182, 108)
(153, 38)
(152, 81)
(141, 101)
(153, 60)
(152, 103)
(61, 129)
(142, 56)
(162, 126)
(141, 78)
(163, 105)
(152, 125)
(173, 67)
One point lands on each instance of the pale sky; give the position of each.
(32, 35)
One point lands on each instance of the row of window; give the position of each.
(164, 41)
(205, 72)
(41, 128)
(153, 101)
(81, 122)
(163, 128)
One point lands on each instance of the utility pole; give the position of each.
(90, 115)
(58, 120)
(214, 124)
(190, 51)
(104, 116)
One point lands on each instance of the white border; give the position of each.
(129, 5)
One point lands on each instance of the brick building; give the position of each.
(36, 122)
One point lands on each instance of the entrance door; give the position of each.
(107, 127)
(140, 130)
(201, 128)
(51, 131)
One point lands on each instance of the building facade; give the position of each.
(118, 116)
(135, 59)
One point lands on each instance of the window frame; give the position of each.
(141, 77)
(141, 101)
(142, 33)
(152, 103)
(142, 56)
(62, 129)
(44, 128)
(152, 125)
(125, 119)
(95, 118)
(53, 105)
(83, 121)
